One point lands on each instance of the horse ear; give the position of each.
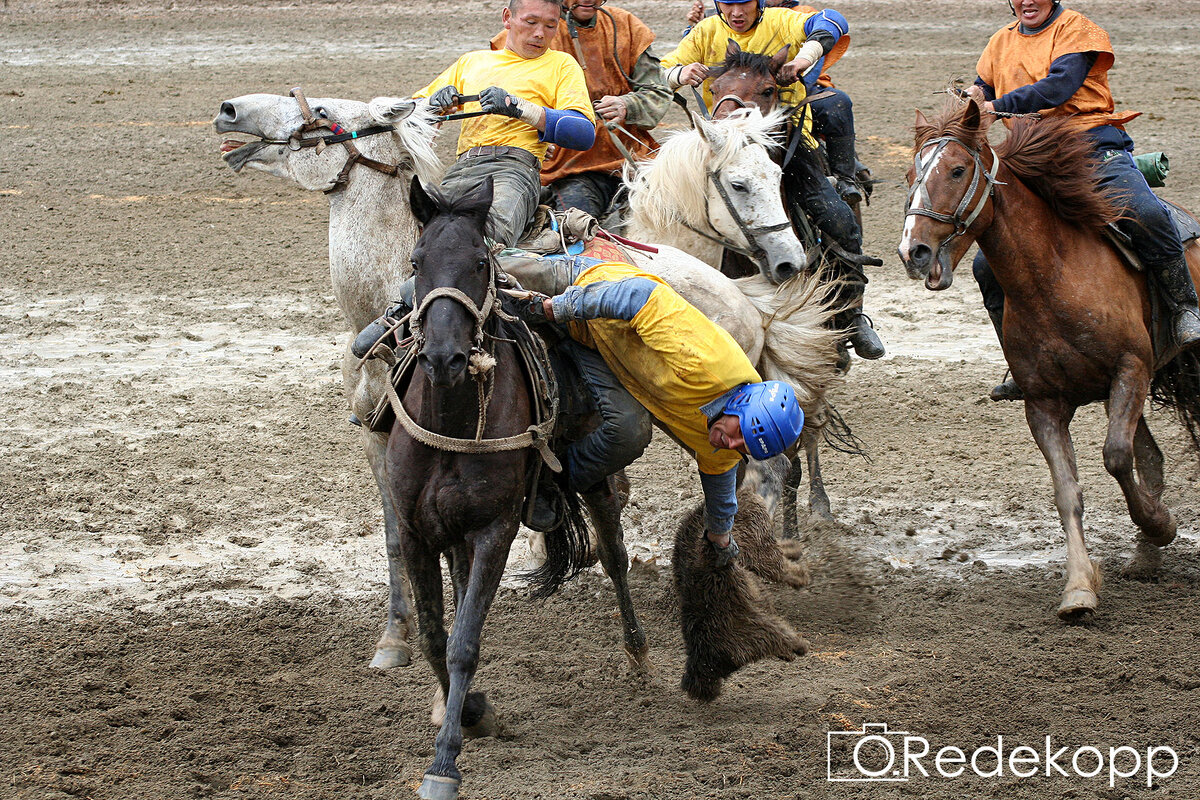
(971, 115)
(732, 49)
(708, 133)
(921, 121)
(423, 206)
(779, 59)
(478, 202)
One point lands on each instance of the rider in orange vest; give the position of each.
(1055, 61)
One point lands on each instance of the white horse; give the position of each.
(371, 235)
(691, 194)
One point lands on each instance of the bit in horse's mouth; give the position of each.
(229, 145)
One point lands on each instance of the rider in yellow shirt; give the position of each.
(534, 96)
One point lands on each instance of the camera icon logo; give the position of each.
(872, 754)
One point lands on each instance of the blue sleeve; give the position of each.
(621, 299)
(569, 129)
(720, 500)
(826, 21)
(988, 92)
(1067, 74)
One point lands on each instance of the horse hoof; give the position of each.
(488, 725)
(436, 787)
(389, 657)
(1078, 605)
(639, 659)
(1144, 564)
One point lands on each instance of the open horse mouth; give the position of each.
(940, 274)
(229, 145)
(236, 153)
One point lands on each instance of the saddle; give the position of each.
(1160, 318)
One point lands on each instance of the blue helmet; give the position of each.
(770, 417)
(761, 5)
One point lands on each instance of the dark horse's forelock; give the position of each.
(757, 63)
(462, 206)
(1052, 157)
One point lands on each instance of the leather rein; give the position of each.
(919, 191)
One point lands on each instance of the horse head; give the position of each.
(950, 191)
(744, 80)
(455, 288)
(287, 137)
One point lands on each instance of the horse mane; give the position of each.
(672, 188)
(1052, 157)
(417, 132)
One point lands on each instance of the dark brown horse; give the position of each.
(466, 505)
(1076, 317)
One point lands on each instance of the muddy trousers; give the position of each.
(515, 189)
(833, 120)
(625, 424)
(805, 184)
(590, 192)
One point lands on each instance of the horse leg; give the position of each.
(1049, 421)
(459, 559)
(463, 709)
(1148, 461)
(604, 507)
(392, 649)
(425, 571)
(818, 500)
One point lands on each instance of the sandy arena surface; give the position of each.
(191, 571)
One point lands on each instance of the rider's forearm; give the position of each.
(720, 500)
(647, 104)
(569, 129)
(1065, 78)
(621, 299)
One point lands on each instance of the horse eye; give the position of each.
(413, 261)
(739, 186)
(483, 262)
(768, 92)
(322, 113)
(958, 172)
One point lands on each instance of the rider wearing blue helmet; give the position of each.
(647, 353)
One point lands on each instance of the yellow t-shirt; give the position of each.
(552, 80)
(670, 357)
(707, 42)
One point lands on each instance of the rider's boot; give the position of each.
(1176, 283)
(840, 150)
(1008, 390)
(382, 327)
(548, 507)
(863, 337)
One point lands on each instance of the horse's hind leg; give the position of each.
(1049, 421)
(1148, 460)
(604, 507)
(818, 500)
(466, 709)
(1126, 399)
(392, 649)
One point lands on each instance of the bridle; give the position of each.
(919, 191)
(482, 368)
(752, 250)
(338, 135)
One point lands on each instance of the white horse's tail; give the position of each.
(799, 346)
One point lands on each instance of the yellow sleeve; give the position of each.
(571, 91)
(451, 76)
(791, 28)
(690, 50)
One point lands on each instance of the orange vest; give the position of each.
(1013, 59)
(839, 49)
(604, 77)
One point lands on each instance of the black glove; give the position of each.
(532, 308)
(495, 100)
(446, 97)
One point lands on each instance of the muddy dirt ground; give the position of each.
(191, 573)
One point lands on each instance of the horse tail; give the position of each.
(568, 547)
(837, 434)
(799, 343)
(1177, 386)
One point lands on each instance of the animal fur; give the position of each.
(727, 620)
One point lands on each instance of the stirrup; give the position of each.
(726, 554)
(1007, 390)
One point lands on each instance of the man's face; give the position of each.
(740, 16)
(1033, 12)
(583, 10)
(531, 27)
(726, 434)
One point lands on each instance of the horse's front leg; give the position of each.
(1049, 421)
(604, 507)
(392, 649)
(463, 708)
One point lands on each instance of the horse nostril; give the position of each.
(228, 112)
(921, 255)
(786, 270)
(458, 362)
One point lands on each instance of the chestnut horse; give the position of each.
(1077, 319)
